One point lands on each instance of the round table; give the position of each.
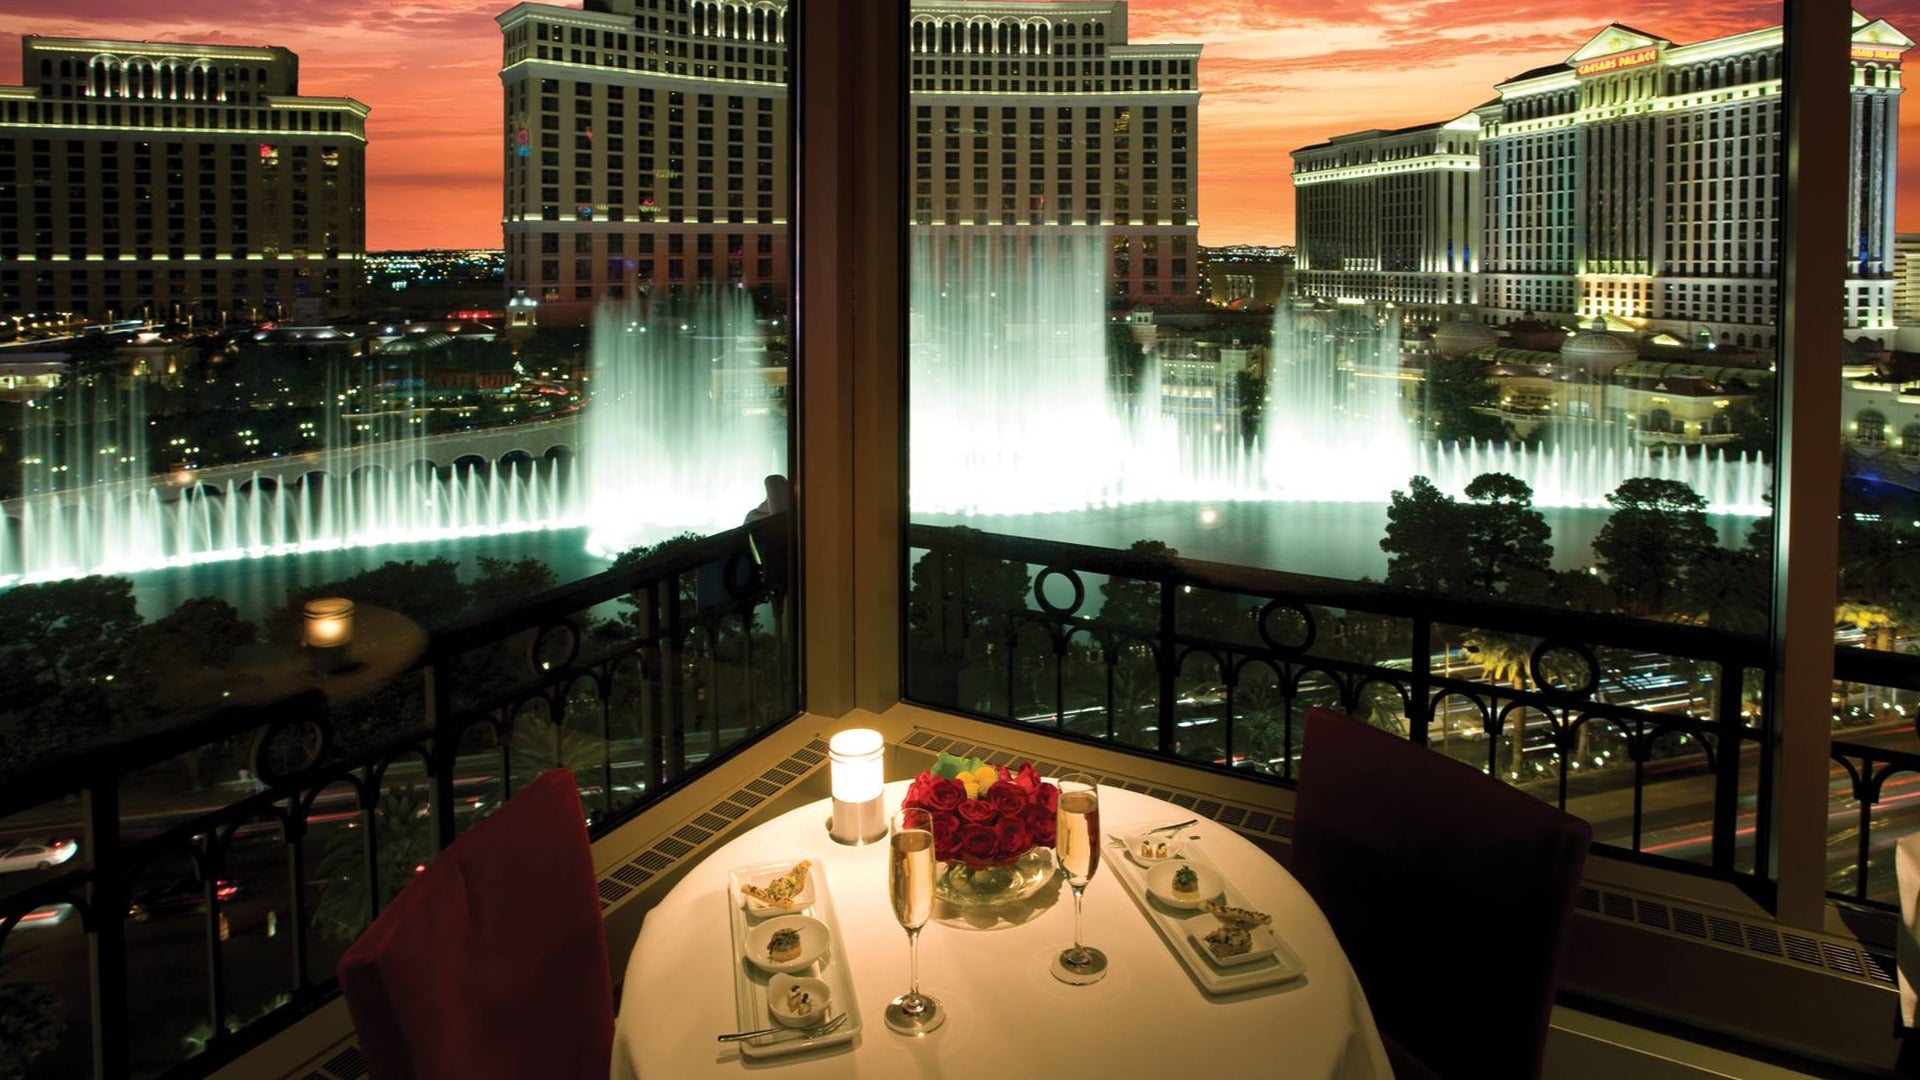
(1007, 1015)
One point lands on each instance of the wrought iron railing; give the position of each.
(1874, 795)
(636, 679)
(1652, 731)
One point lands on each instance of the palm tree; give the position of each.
(403, 839)
(1504, 658)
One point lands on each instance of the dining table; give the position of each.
(1007, 1015)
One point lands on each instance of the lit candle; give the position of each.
(857, 767)
(329, 630)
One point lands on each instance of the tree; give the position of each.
(1134, 603)
(1658, 533)
(1505, 657)
(1250, 391)
(30, 1025)
(201, 633)
(1424, 526)
(1457, 389)
(1504, 534)
(403, 842)
(429, 593)
(63, 679)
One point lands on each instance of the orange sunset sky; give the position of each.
(1275, 75)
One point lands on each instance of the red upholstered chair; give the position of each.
(492, 962)
(1436, 878)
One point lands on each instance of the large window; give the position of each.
(1467, 427)
(518, 500)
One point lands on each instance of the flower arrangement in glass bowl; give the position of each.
(992, 828)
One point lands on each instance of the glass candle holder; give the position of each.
(856, 764)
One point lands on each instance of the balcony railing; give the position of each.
(1652, 731)
(1874, 796)
(636, 679)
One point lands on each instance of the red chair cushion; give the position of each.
(492, 962)
(1449, 891)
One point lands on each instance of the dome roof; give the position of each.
(1597, 350)
(1462, 336)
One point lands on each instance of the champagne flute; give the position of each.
(1076, 841)
(910, 869)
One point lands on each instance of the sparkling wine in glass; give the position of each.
(910, 869)
(1077, 845)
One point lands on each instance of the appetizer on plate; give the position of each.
(1243, 918)
(1186, 883)
(783, 890)
(784, 945)
(799, 1001)
(1229, 940)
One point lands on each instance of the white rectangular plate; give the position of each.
(1182, 929)
(750, 983)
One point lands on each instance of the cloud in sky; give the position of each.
(1275, 75)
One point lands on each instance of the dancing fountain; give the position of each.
(664, 447)
(671, 445)
(93, 506)
(1014, 412)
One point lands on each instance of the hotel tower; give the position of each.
(168, 181)
(1638, 179)
(647, 148)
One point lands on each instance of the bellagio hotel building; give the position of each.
(169, 181)
(1639, 179)
(647, 144)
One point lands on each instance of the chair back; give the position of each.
(492, 962)
(1438, 879)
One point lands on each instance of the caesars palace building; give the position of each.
(1640, 179)
(647, 144)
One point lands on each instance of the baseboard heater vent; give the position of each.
(692, 838)
(345, 1065)
(1839, 956)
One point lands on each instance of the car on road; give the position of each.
(35, 854)
(182, 897)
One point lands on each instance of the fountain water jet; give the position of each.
(1014, 410)
(669, 447)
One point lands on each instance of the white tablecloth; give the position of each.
(1007, 1016)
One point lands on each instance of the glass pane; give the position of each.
(1466, 428)
(481, 436)
(1875, 754)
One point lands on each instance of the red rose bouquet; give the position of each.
(984, 815)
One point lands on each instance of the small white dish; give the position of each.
(818, 1006)
(1160, 884)
(1262, 943)
(1150, 849)
(813, 942)
(760, 908)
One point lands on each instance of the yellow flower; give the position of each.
(984, 777)
(973, 787)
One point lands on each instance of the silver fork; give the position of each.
(816, 1030)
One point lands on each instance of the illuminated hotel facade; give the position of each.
(646, 144)
(177, 181)
(647, 150)
(1041, 123)
(1641, 180)
(1391, 216)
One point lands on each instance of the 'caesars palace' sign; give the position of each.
(1617, 61)
(1876, 52)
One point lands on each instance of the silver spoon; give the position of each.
(1170, 828)
(821, 1028)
